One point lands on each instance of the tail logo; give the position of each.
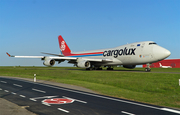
(63, 46)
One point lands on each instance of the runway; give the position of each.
(44, 99)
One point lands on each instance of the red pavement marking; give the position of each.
(58, 101)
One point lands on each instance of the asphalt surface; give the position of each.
(45, 99)
(9, 108)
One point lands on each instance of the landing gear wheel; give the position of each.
(99, 69)
(148, 69)
(109, 68)
(89, 68)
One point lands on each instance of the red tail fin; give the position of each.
(63, 46)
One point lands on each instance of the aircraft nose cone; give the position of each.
(167, 52)
(161, 53)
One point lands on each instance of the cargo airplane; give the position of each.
(128, 56)
(161, 66)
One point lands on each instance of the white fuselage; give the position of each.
(130, 54)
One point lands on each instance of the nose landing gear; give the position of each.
(147, 69)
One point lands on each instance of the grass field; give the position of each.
(154, 87)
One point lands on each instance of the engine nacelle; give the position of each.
(49, 62)
(129, 66)
(84, 64)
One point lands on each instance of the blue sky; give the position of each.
(28, 27)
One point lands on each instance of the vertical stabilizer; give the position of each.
(63, 46)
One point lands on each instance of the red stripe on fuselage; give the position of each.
(70, 54)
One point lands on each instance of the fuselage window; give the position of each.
(152, 43)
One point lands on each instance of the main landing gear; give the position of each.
(94, 68)
(99, 68)
(89, 68)
(147, 69)
(109, 68)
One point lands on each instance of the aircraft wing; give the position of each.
(24, 56)
(42, 57)
(64, 58)
(53, 54)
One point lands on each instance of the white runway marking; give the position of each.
(74, 99)
(32, 99)
(63, 110)
(3, 82)
(22, 96)
(17, 85)
(39, 90)
(13, 93)
(0, 89)
(171, 110)
(43, 97)
(46, 104)
(127, 113)
(6, 90)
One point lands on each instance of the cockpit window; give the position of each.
(152, 43)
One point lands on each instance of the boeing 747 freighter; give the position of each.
(128, 56)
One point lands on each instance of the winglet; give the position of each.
(9, 55)
(63, 46)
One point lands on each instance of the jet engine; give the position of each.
(129, 66)
(84, 64)
(49, 62)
